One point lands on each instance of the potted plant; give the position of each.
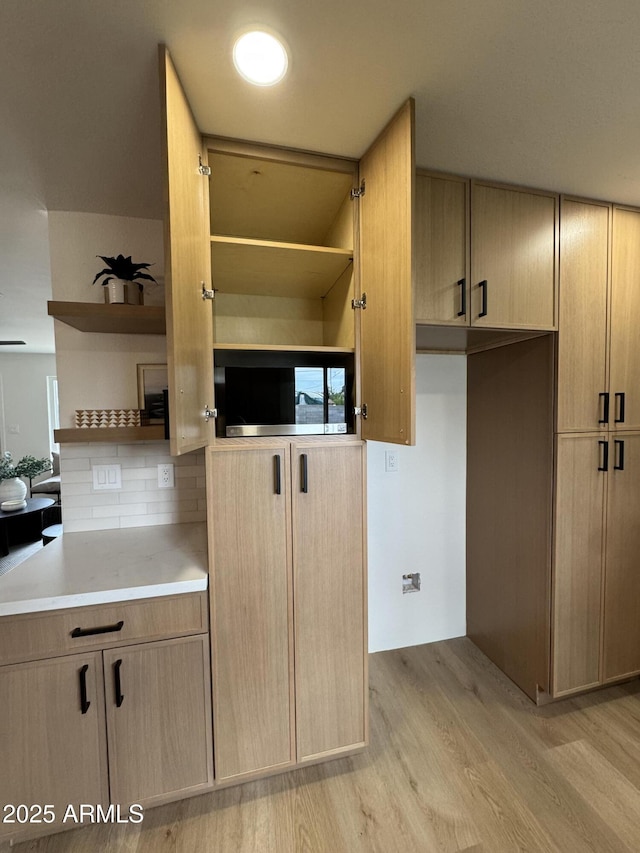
(11, 486)
(123, 279)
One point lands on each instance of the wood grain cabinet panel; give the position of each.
(53, 746)
(625, 320)
(442, 249)
(330, 599)
(578, 562)
(158, 720)
(582, 389)
(251, 601)
(513, 258)
(622, 580)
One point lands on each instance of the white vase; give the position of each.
(12, 490)
(114, 291)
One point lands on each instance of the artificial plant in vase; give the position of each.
(11, 486)
(123, 279)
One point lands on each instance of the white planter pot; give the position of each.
(114, 291)
(12, 490)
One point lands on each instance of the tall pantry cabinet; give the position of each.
(271, 249)
(595, 588)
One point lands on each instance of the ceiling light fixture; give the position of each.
(260, 58)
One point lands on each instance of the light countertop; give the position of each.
(103, 566)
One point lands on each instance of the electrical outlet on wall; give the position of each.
(165, 476)
(390, 461)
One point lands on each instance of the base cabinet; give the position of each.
(288, 603)
(126, 724)
(577, 564)
(52, 743)
(158, 720)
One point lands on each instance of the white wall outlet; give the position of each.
(106, 477)
(14, 429)
(165, 476)
(390, 461)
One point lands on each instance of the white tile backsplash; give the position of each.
(139, 503)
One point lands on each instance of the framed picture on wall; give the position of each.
(152, 381)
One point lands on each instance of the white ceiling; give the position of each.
(536, 92)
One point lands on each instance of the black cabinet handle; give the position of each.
(462, 284)
(483, 287)
(304, 474)
(605, 456)
(619, 408)
(619, 447)
(604, 395)
(278, 474)
(118, 682)
(103, 629)
(84, 702)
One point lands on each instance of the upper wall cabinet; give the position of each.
(487, 255)
(513, 258)
(289, 247)
(582, 364)
(187, 269)
(625, 320)
(598, 356)
(442, 249)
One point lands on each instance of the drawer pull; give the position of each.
(118, 682)
(84, 702)
(103, 629)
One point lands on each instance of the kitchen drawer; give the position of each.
(33, 636)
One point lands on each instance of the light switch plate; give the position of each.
(106, 477)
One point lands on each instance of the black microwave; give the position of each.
(275, 392)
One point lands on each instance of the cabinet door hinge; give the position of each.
(207, 294)
(204, 170)
(209, 413)
(361, 410)
(356, 192)
(359, 303)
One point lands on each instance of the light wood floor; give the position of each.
(459, 760)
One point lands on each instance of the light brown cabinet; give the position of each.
(158, 720)
(442, 249)
(288, 601)
(596, 591)
(52, 743)
(579, 524)
(621, 643)
(251, 590)
(582, 359)
(598, 356)
(486, 254)
(122, 724)
(625, 320)
(291, 243)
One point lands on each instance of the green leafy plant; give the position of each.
(125, 269)
(28, 466)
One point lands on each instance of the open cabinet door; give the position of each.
(187, 269)
(387, 327)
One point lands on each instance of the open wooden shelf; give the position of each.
(109, 434)
(111, 319)
(280, 348)
(242, 265)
